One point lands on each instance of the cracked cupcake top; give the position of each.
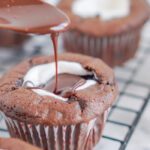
(86, 88)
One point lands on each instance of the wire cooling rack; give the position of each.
(132, 100)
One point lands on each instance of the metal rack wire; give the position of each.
(128, 109)
(138, 113)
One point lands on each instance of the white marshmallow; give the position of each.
(46, 93)
(86, 85)
(106, 9)
(43, 73)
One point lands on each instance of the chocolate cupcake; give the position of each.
(107, 29)
(71, 118)
(14, 144)
(10, 39)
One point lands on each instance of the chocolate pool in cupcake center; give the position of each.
(66, 84)
(33, 16)
(71, 77)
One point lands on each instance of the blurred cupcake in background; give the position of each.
(11, 39)
(108, 29)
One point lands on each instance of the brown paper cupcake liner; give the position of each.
(114, 50)
(83, 136)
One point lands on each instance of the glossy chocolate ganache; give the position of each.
(34, 16)
(71, 77)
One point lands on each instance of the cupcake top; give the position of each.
(15, 144)
(86, 88)
(105, 17)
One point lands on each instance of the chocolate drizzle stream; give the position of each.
(54, 38)
(34, 16)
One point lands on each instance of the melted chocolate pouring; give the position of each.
(34, 16)
(54, 38)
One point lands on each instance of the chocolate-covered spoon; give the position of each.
(32, 16)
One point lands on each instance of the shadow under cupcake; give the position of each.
(72, 118)
(107, 29)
